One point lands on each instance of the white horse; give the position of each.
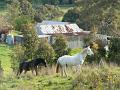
(77, 59)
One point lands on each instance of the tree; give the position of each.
(114, 53)
(20, 12)
(31, 40)
(47, 12)
(13, 11)
(72, 15)
(60, 45)
(104, 14)
(26, 8)
(20, 21)
(46, 51)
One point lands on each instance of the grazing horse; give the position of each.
(75, 60)
(31, 65)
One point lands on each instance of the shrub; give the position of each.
(93, 78)
(17, 56)
(114, 53)
(60, 45)
(30, 41)
(46, 52)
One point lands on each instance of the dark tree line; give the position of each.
(51, 2)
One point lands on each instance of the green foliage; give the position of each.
(60, 45)
(31, 41)
(13, 11)
(47, 12)
(18, 55)
(99, 52)
(72, 15)
(20, 21)
(114, 53)
(104, 14)
(93, 78)
(18, 9)
(46, 52)
(26, 8)
(51, 2)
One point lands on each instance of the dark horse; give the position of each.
(31, 65)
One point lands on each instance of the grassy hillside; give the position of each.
(5, 52)
(90, 77)
(36, 83)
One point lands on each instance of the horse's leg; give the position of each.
(36, 70)
(32, 70)
(65, 70)
(61, 70)
(25, 71)
(20, 71)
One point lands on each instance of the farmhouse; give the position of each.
(73, 33)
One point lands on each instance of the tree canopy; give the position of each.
(102, 13)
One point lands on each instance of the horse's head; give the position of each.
(89, 51)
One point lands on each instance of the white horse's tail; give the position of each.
(57, 67)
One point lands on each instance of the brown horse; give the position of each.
(31, 65)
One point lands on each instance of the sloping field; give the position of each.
(5, 52)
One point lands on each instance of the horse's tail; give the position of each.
(57, 67)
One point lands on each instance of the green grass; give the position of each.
(37, 83)
(90, 77)
(64, 9)
(5, 52)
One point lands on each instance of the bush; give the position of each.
(94, 78)
(99, 52)
(17, 56)
(21, 21)
(114, 53)
(46, 52)
(30, 41)
(60, 45)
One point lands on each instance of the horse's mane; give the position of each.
(83, 51)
